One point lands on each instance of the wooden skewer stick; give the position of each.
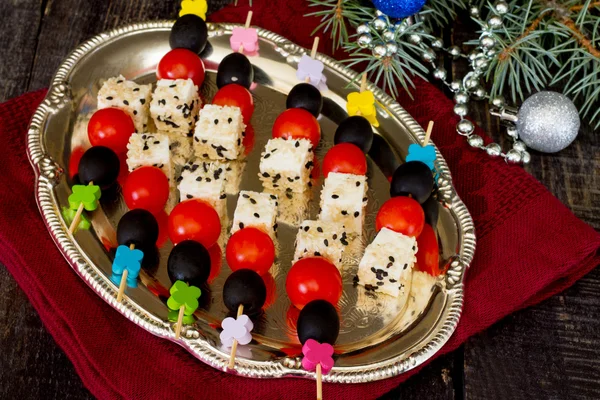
(123, 284)
(235, 343)
(246, 26)
(179, 321)
(319, 383)
(363, 83)
(428, 133)
(75, 222)
(313, 54)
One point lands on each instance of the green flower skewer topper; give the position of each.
(185, 299)
(83, 197)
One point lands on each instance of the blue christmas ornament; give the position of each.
(399, 8)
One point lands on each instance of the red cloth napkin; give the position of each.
(529, 247)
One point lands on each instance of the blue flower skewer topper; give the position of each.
(126, 268)
(424, 153)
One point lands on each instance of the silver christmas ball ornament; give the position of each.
(363, 28)
(474, 11)
(454, 51)
(379, 13)
(487, 42)
(461, 109)
(491, 52)
(525, 157)
(391, 48)
(471, 83)
(379, 51)
(440, 73)
(501, 7)
(465, 127)
(481, 63)
(513, 156)
(498, 101)
(380, 24)
(461, 98)
(473, 55)
(495, 21)
(428, 55)
(493, 149)
(437, 43)
(414, 38)
(548, 122)
(388, 35)
(475, 141)
(365, 40)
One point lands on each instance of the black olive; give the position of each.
(235, 68)
(246, 287)
(319, 321)
(99, 165)
(189, 261)
(413, 178)
(138, 227)
(189, 32)
(306, 96)
(356, 130)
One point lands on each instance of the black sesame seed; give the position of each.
(391, 258)
(274, 197)
(199, 179)
(162, 101)
(216, 121)
(145, 147)
(297, 144)
(143, 101)
(317, 254)
(120, 81)
(334, 236)
(208, 180)
(393, 281)
(223, 196)
(136, 89)
(319, 229)
(173, 85)
(289, 195)
(241, 225)
(252, 201)
(257, 215)
(204, 141)
(156, 142)
(267, 155)
(245, 195)
(326, 242)
(389, 265)
(306, 228)
(379, 283)
(265, 175)
(125, 102)
(334, 196)
(205, 155)
(405, 266)
(344, 212)
(189, 196)
(356, 214)
(109, 98)
(179, 107)
(364, 199)
(196, 139)
(357, 183)
(134, 112)
(229, 120)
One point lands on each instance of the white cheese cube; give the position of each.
(421, 291)
(255, 209)
(218, 134)
(343, 201)
(181, 148)
(388, 263)
(293, 207)
(233, 176)
(129, 97)
(204, 180)
(315, 238)
(286, 164)
(150, 149)
(175, 105)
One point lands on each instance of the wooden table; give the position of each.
(551, 350)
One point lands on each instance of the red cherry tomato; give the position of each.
(250, 248)
(196, 220)
(297, 123)
(345, 158)
(110, 127)
(181, 64)
(237, 96)
(428, 254)
(313, 278)
(147, 188)
(216, 261)
(401, 214)
(162, 218)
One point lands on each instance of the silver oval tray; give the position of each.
(372, 344)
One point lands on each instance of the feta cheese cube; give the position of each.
(150, 149)
(129, 97)
(286, 164)
(343, 201)
(388, 263)
(315, 238)
(255, 209)
(181, 148)
(206, 181)
(218, 133)
(293, 207)
(233, 176)
(175, 105)
(421, 292)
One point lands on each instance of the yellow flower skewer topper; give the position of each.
(196, 7)
(363, 103)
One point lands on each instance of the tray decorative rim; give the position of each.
(48, 173)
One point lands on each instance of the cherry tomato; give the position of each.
(147, 188)
(250, 248)
(110, 127)
(237, 96)
(181, 64)
(297, 123)
(313, 278)
(345, 158)
(428, 254)
(196, 220)
(216, 261)
(76, 155)
(271, 286)
(162, 218)
(401, 214)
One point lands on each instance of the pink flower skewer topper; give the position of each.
(245, 40)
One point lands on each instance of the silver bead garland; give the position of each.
(470, 87)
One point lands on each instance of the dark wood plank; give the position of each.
(550, 350)
(18, 35)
